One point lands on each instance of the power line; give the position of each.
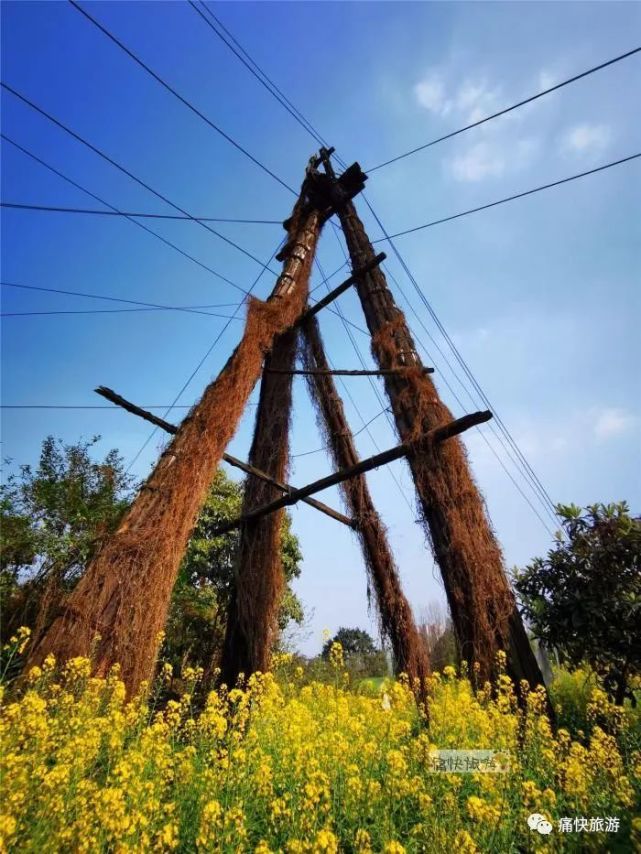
(111, 408)
(125, 171)
(232, 43)
(356, 433)
(147, 305)
(135, 222)
(508, 109)
(176, 94)
(529, 473)
(203, 360)
(528, 469)
(301, 121)
(52, 209)
(188, 309)
(517, 464)
(510, 198)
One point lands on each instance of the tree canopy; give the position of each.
(584, 598)
(53, 518)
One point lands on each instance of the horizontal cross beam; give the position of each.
(440, 434)
(381, 372)
(111, 396)
(332, 295)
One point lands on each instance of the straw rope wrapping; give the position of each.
(395, 614)
(456, 519)
(454, 514)
(124, 595)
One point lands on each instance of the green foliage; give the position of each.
(53, 519)
(361, 656)
(196, 624)
(584, 598)
(353, 641)
(55, 516)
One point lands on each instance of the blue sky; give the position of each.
(540, 295)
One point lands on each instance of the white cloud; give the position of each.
(586, 140)
(469, 101)
(480, 161)
(430, 93)
(611, 423)
(475, 100)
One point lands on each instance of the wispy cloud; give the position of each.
(611, 423)
(430, 93)
(492, 159)
(499, 151)
(586, 140)
(478, 162)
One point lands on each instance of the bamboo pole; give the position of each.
(395, 614)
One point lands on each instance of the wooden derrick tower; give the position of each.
(124, 595)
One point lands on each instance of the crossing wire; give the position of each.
(177, 95)
(204, 359)
(216, 25)
(518, 466)
(125, 171)
(433, 361)
(305, 123)
(186, 309)
(109, 407)
(135, 222)
(52, 209)
(508, 109)
(110, 298)
(511, 198)
(463, 364)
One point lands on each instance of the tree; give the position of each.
(584, 598)
(353, 641)
(196, 624)
(56, 516)
(53, 519)
(362, 657)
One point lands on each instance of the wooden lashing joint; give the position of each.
(329, 194)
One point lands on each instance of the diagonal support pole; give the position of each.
(111, 396)
(395, 614)
(125, 592)
(259, 581)
(483, 608)
(434, 437)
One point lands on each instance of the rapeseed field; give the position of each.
(279, 765)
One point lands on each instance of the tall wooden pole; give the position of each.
(252, 618)
(118, 609)
(482, 605)
(396, 618)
